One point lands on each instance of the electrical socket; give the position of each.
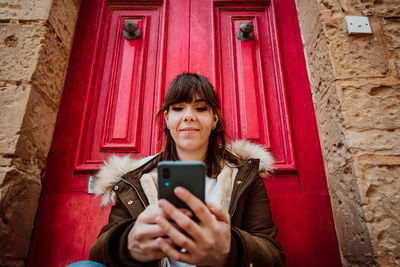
(358, 24)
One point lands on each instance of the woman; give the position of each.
(235, 226)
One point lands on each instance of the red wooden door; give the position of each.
(114, 88)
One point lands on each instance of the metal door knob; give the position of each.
(245, 32)
(131, 31)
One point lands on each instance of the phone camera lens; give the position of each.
(166, 173)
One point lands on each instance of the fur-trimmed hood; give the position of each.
(115, 167)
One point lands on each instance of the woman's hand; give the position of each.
(142, 244)
(208, 242)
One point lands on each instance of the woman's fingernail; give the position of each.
(160, 220)
(179, 191)
(162, 203)
(211, 205)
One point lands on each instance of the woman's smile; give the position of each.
(189, 130)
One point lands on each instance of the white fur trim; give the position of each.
(224, 188)
(110, 174)
(149, 184)
(247, 150)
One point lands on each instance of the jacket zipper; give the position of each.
(137, 191)
(237, 188)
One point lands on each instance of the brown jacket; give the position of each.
(240, 191)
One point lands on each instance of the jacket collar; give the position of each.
(115, 167)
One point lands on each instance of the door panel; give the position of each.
(120, 107)
(250, 80)
(114, 88)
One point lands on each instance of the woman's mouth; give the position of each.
(189, 130)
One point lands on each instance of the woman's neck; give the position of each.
(191, 155)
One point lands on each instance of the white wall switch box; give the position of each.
(358, 24)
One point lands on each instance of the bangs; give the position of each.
(188, 89)
(187, 95)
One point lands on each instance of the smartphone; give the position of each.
(188, 174)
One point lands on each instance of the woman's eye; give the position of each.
(201, 109)
(177, 108)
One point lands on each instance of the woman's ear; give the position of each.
(215, 121)
(166, 118)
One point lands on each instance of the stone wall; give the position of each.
(35, 42)
(355, 81)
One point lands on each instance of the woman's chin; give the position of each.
(190, 146)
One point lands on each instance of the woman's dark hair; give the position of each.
(183, 89)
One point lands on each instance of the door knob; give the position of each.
(131, 31)
(245, 32)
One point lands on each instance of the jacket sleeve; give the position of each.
(254, 241)
(110, 247)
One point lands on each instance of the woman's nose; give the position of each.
(189, 115)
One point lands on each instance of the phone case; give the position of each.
(188, 174)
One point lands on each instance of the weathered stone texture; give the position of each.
(51, 68)
(392, 33)
(331, 6)
(24, 9)
(63, 17)
(309, 18)
(372, 107)
(352, 233)
(354, 55)
(19, 200)
(380, 189)
(374, 141)
(13, 98)
(37, 131)
(321, 74)
(383, 8)
(20, 180)
(20, 45)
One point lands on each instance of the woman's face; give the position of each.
(190, 125)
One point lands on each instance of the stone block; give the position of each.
(63, 17)
(36, 135)
(368, 107)
(354, 56)
(308, 13)
(352, 232)
(382, 8)
(319, 65)
(19, 199)
(24, 9)
(331, 6)
(27, 123)
(51, 67)
(331, 131)
(380, 190)
(13, 100)
(19, 49)
(374, 141)
(369, 159)
(391, 30)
